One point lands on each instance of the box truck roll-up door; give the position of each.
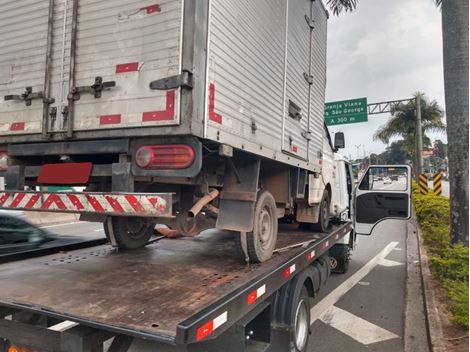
(23, 48)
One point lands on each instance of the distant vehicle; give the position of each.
(394, 177)
(387, 180)
(380, 178)
(17, 234)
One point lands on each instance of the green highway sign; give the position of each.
(346, 111)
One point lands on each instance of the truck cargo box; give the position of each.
(248, 74)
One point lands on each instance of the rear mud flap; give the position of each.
(237, 200)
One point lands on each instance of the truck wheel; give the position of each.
(261, 242)
(300, 322)
(339, 258)
(324, 215)
(130, 232)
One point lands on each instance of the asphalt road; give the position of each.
(363, 310)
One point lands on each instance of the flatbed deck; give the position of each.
(165, 291)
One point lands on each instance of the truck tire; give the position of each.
(324, 214)
(260, 243)
(130, 232)
(300, 322)
(339, 258)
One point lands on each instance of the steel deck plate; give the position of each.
(145, 293)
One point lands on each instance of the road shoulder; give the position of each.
(416, 330)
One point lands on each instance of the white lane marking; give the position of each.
(57, 225)
(327, 302)
(65, 325)
(364, 283)
(390, 263)
(355, 327)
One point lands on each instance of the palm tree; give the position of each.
(402, 123)
(455, 39)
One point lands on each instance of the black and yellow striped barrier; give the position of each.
(423, 184)
(437, 184)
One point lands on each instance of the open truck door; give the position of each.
(383, 192)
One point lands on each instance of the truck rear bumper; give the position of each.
(119, 204)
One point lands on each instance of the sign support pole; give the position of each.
(419, 137)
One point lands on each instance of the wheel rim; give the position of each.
(265, 228)
(333, 263)
(135, 227)
(301, 325)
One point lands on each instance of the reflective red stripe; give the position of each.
(210, 326)
(53, 198)
(110, 119)
(129, 67)
(289, 271)
(204, 330)
(4, 198)
(253, 296)
(135, 203)
(163, 115)
(213, 116)
(152, 8)
(310, 255)
(75, 201)
(33, 200)
(115, 204)
(294, 149)
(17, 200)
(95, 204)
(17, 126)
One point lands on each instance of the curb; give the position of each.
(415, 335)
(434, 325)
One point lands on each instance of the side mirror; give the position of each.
(339, 140)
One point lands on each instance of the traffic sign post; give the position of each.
(423, 184)
(437, 184)
(346, 111)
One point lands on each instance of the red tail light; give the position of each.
(171, 156)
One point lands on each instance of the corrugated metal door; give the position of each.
(296, 117)
(23, 46)
(130, 43)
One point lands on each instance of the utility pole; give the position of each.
(419, 138)
(357, 149)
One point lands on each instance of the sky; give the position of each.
(385, 50)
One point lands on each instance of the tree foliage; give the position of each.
(402, 123)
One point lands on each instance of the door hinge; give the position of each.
(95, 89)
(308, 78)
(184, 80)
(28, 96)
(310, 22)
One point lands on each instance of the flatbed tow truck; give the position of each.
(190, 294)
(187, 294)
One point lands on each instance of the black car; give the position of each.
(17, 234)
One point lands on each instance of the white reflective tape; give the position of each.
(292, 268)
(220, 320)
(312, 255)
(261, 291)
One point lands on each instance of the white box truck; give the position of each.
(194, 114)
